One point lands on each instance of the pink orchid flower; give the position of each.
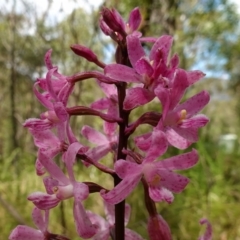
(159, 175)
(60, 188)
(54, 97)
(25, 233)
(106, 227)
(55, 85)
(181, 122)
(105, 144)
(142, 72)
(41, 222)
(149, 71)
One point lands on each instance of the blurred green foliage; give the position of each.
(206, 34)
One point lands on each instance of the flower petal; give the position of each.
(47, 59)
(194, 76)
(26, 233)
(159, 194)
(43, 201)
(180, 84)
(158, 146)
(80, 191)
(108, 89)
(41, 98)
(60, 111)
(164, 43)
(135, 19)
(143, 141)
(174, 61)
(69, 158)
(172, 181)
(135, 49)
(46, 139)
(179, 162)
(158, 229)
(164, 97)
(122, 73)
(98, 152)
(53, 169)
(98, 221)
(190, 134)
(176, 140)
(124, 168)
(194, 104)
(65, 91)
(197, 121)
(84, 227)
(38, 124)
(39, 220)
(137, 97)
(40, 170)
(109, 210)
(103, 235)
(109, 128)
(101, 104)
(93, 135)
(143, 67)
(50, 75)
(50, 184)
(122, 190)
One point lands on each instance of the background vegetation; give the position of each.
(207, 37)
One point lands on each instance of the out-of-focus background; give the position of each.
(207, 37)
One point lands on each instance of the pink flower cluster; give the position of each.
(138, 77)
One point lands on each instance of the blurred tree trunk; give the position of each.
(12, 85)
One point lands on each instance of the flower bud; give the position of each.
(158, 228)
(113, 20)
(85, 52)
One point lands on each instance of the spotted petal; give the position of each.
(122, 73)
(40, 222)
(194, 104)
(179, 162)
(135, 49)
(172, 181)
(164, 43)
(159, 194)
(137, 97)
(158, 146)
(176, 140)
(84, 227)
(124, 168)
(122, 190)
(93, 135)
(26, 233)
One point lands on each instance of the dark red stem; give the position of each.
(121, 58)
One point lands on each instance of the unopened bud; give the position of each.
(104, 27)
(113, 20)
(85, 52)
(158, 228)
